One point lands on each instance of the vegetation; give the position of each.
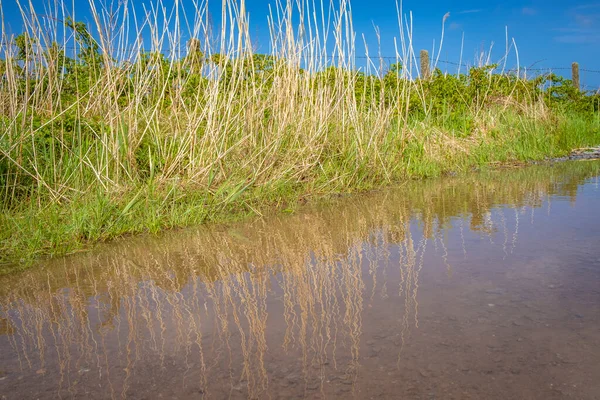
(101, 137)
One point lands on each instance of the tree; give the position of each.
(90, 51)
(24, 44)
(194, 61)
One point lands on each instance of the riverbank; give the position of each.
(31, 232)
(588, 153)
(98, 141)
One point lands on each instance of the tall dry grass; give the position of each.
(239, 124)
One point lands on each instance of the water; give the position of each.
(485, 287)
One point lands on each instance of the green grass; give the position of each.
(30, 231)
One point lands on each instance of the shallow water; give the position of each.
(484, 287)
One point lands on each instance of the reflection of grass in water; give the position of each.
(160, 302)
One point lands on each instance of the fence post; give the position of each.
(575, 75)
(425, 68)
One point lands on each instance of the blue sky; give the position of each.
(548, 33)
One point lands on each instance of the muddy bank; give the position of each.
(588, 153)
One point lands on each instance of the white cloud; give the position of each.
(586, 6)
(570, 30)
(586, 20)
(578, 39)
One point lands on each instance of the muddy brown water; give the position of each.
(479, 287)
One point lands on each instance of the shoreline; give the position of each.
(293, 205)
(102, 138)
(583, 154)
